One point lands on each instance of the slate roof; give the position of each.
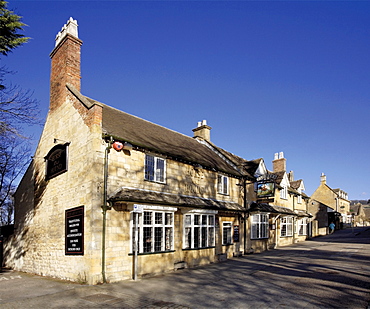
(155, 138)
(263, 207)
(163, 198)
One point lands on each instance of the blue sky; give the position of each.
(268, 76)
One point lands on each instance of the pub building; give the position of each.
(109, 196)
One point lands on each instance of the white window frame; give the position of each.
(155, 173)
(199, 229)
(166, 226)
(286, 226)
(260, 226)
(227, 233)
(284, 193)
(223, 184)
(302, 226)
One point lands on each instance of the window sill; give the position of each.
(188, 249)
(149, 253)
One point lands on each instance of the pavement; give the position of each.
(330, 271)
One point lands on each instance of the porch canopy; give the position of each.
(164, 198)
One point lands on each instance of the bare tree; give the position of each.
(14, 159)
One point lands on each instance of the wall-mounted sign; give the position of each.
(265, 189)
(236, 233)
(57, 161)
(74, 237)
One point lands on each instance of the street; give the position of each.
(331, 271)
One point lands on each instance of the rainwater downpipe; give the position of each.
(105, 206)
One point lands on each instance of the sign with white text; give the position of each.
(74, 237)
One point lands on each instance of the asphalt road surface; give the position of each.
(326, 272)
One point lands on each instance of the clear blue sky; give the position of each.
(268, 76)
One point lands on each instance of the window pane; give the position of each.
(149, 167)
(187, 237)
(196, 219)
(168, 218)
(168, 238)
(204, 237)
(147, 218)
(211, 220)
(187, 220)
(225, 185)
(158, 234)
(196, 237)
(147, 247)
(211, 236)
(160, 170)
(204, 220)
(158, 218)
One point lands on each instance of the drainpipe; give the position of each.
(105, 206)
(245, 215)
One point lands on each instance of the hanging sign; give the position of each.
(265, 189)
(74, 235)
(57, 161)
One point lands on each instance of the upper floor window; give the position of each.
(155, 169)
(284, 193)
(223, 184)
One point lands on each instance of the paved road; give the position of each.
(327, 272)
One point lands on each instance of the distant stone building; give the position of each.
(336, 204)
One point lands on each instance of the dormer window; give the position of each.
(155, 169)
(223, 184)
(284, 193)
(299, 198)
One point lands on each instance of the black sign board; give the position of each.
(74, 239)
(236, 233)
(57, 161)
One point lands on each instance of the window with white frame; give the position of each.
(199, 230)
(155, 169)
(226, 233)
(299, 198)
(223, 184)
(286, 226)
(155, 230)
(284, 192)
(259, 228)
(302, 226)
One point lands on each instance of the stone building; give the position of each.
(110, 196)
(278, 214)
(332, 201)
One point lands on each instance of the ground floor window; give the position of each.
(226, 233)
(155, 230)
(286, 226)
(302, 226)
(199, 230)
(259, 226)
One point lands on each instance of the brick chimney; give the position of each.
(65, 63)
(203, 130)
(279, 163)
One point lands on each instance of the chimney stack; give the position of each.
(279, 163)
(203, 131)
(323, 178)
(65, 63)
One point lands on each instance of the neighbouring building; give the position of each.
(329, 205)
